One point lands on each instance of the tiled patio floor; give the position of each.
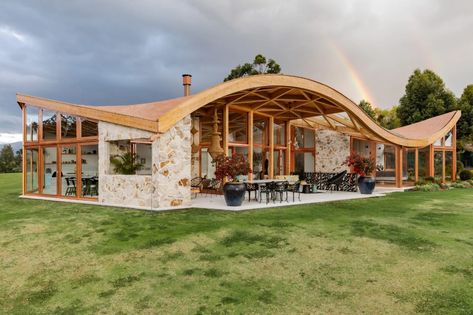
(217, 202)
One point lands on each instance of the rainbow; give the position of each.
(358, 82)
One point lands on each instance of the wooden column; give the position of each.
(398, 166)
(431, 161)
(373, 155)
(225, 130)
(454, 153)
(288, 148)
(271, 147)
(23, 162)
(443, 166)
(416, 165)
(250, 142)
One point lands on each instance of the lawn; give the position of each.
(405, 253)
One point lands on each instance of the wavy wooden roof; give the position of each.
(296, 99)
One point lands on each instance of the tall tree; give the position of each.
(366, 106)
(259, 66)
(388, 117)
(426, 96)
(7, 160)
(465, 124)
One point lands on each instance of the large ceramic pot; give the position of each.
(234, 193)
(366, 184)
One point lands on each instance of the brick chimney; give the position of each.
(186, 82)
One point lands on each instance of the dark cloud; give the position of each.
(123, 51)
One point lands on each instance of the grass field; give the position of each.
(404, 253)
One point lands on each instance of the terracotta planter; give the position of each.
(234, 193)
(366, 184)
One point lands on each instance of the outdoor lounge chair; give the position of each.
(335, 181)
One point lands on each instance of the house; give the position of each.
(283, 124)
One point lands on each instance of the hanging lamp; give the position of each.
(215, 149)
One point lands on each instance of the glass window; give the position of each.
(260, 135)
(304, 162)
(448, 165)
(69, 170)
(32, 170)
(438, 142)
(32, 123)
(90, 170)
(50, 174)
(299, 138)
(309, 138)
(279, 134)
(409, 165)
(68, 126)
(49, 125)
(237, 127)
(89, 128)
(143, 157)
(449, 139)
(438, 164)
(363, 148)
(385, 156)
(423, 164)
(206, 166)
(260, 162)
(279, 162)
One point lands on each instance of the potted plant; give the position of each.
(364, 167)
(125, 164)
(230, 168)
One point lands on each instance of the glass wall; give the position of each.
(448, 165)
(68, 126)
(49, 125)
(32, 124)
(424, 163)
(54, 166)
(69, 170)
(50, 174)
(438, 157)
(303, 150)
(31, 176)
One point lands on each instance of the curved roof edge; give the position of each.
(161, 116)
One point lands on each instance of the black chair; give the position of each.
(335, 181)
(280, 190)
(196, 181)
(252, 187)
(71, 186)
(294, 188)
(266, 189)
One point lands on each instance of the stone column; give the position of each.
(172, 166)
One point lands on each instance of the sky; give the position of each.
(106, 52)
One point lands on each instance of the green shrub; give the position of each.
(429, 179)
(427, 187)
(465, 175)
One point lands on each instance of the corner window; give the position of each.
(68, 126)
(89, 128)
(49, 125)
(32, 123)
(130, 157)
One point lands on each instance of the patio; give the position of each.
(217, 202)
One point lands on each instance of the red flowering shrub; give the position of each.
(231, 167)
(363, 166)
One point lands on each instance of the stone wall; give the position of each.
(122, 190)
(172, 165)
(332, 149)
(169, 184)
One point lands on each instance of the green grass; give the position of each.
(404, 253)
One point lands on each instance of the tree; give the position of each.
(465, 124)
(426, 96)
(259, 66)
(7, 160)
(388, 118)
(366, 106)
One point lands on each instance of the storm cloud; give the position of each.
(121, 52)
